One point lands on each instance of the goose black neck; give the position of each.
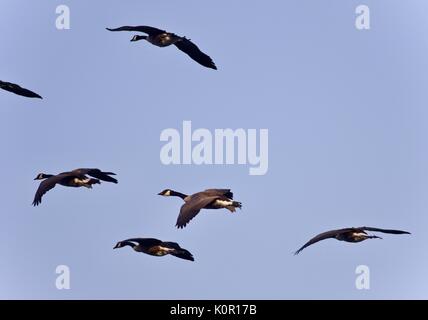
(128, 243)
(178, 194)
(138, 38)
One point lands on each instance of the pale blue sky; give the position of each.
(347, 117)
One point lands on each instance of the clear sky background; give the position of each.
(347, 117)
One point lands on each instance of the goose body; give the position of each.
(76, 178)
(353, 235)
(162, 38)
(16, 89)
(208, 199)
(155, 247)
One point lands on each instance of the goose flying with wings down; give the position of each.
(76, 178)
(208, 199)
(162, 38)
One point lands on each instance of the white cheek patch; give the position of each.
(168, 193)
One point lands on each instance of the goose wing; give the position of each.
(323, 236)
(146, 29)
(14, 88)
(47, 185)
(220, 192)
(171, 245)
(384, 230)
(178, 251)
(96, 173)
(191, 208)
(193, 52)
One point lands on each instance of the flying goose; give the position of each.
(349, 235)
(12, 87)
(76, 178)
(208, 199)
(162, 38)
(155, 247)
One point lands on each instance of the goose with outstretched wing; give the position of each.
(349, 235)
(162, 38)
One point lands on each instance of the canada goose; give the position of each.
(76, 178)
(155, 247)
(161, 38)
(349, 235)
(12, 87)
(208, 199)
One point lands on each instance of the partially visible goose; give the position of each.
(349, 235)
(76, 178)
(208, 199)
(162, 38)
(16, 89)
(155, 247)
